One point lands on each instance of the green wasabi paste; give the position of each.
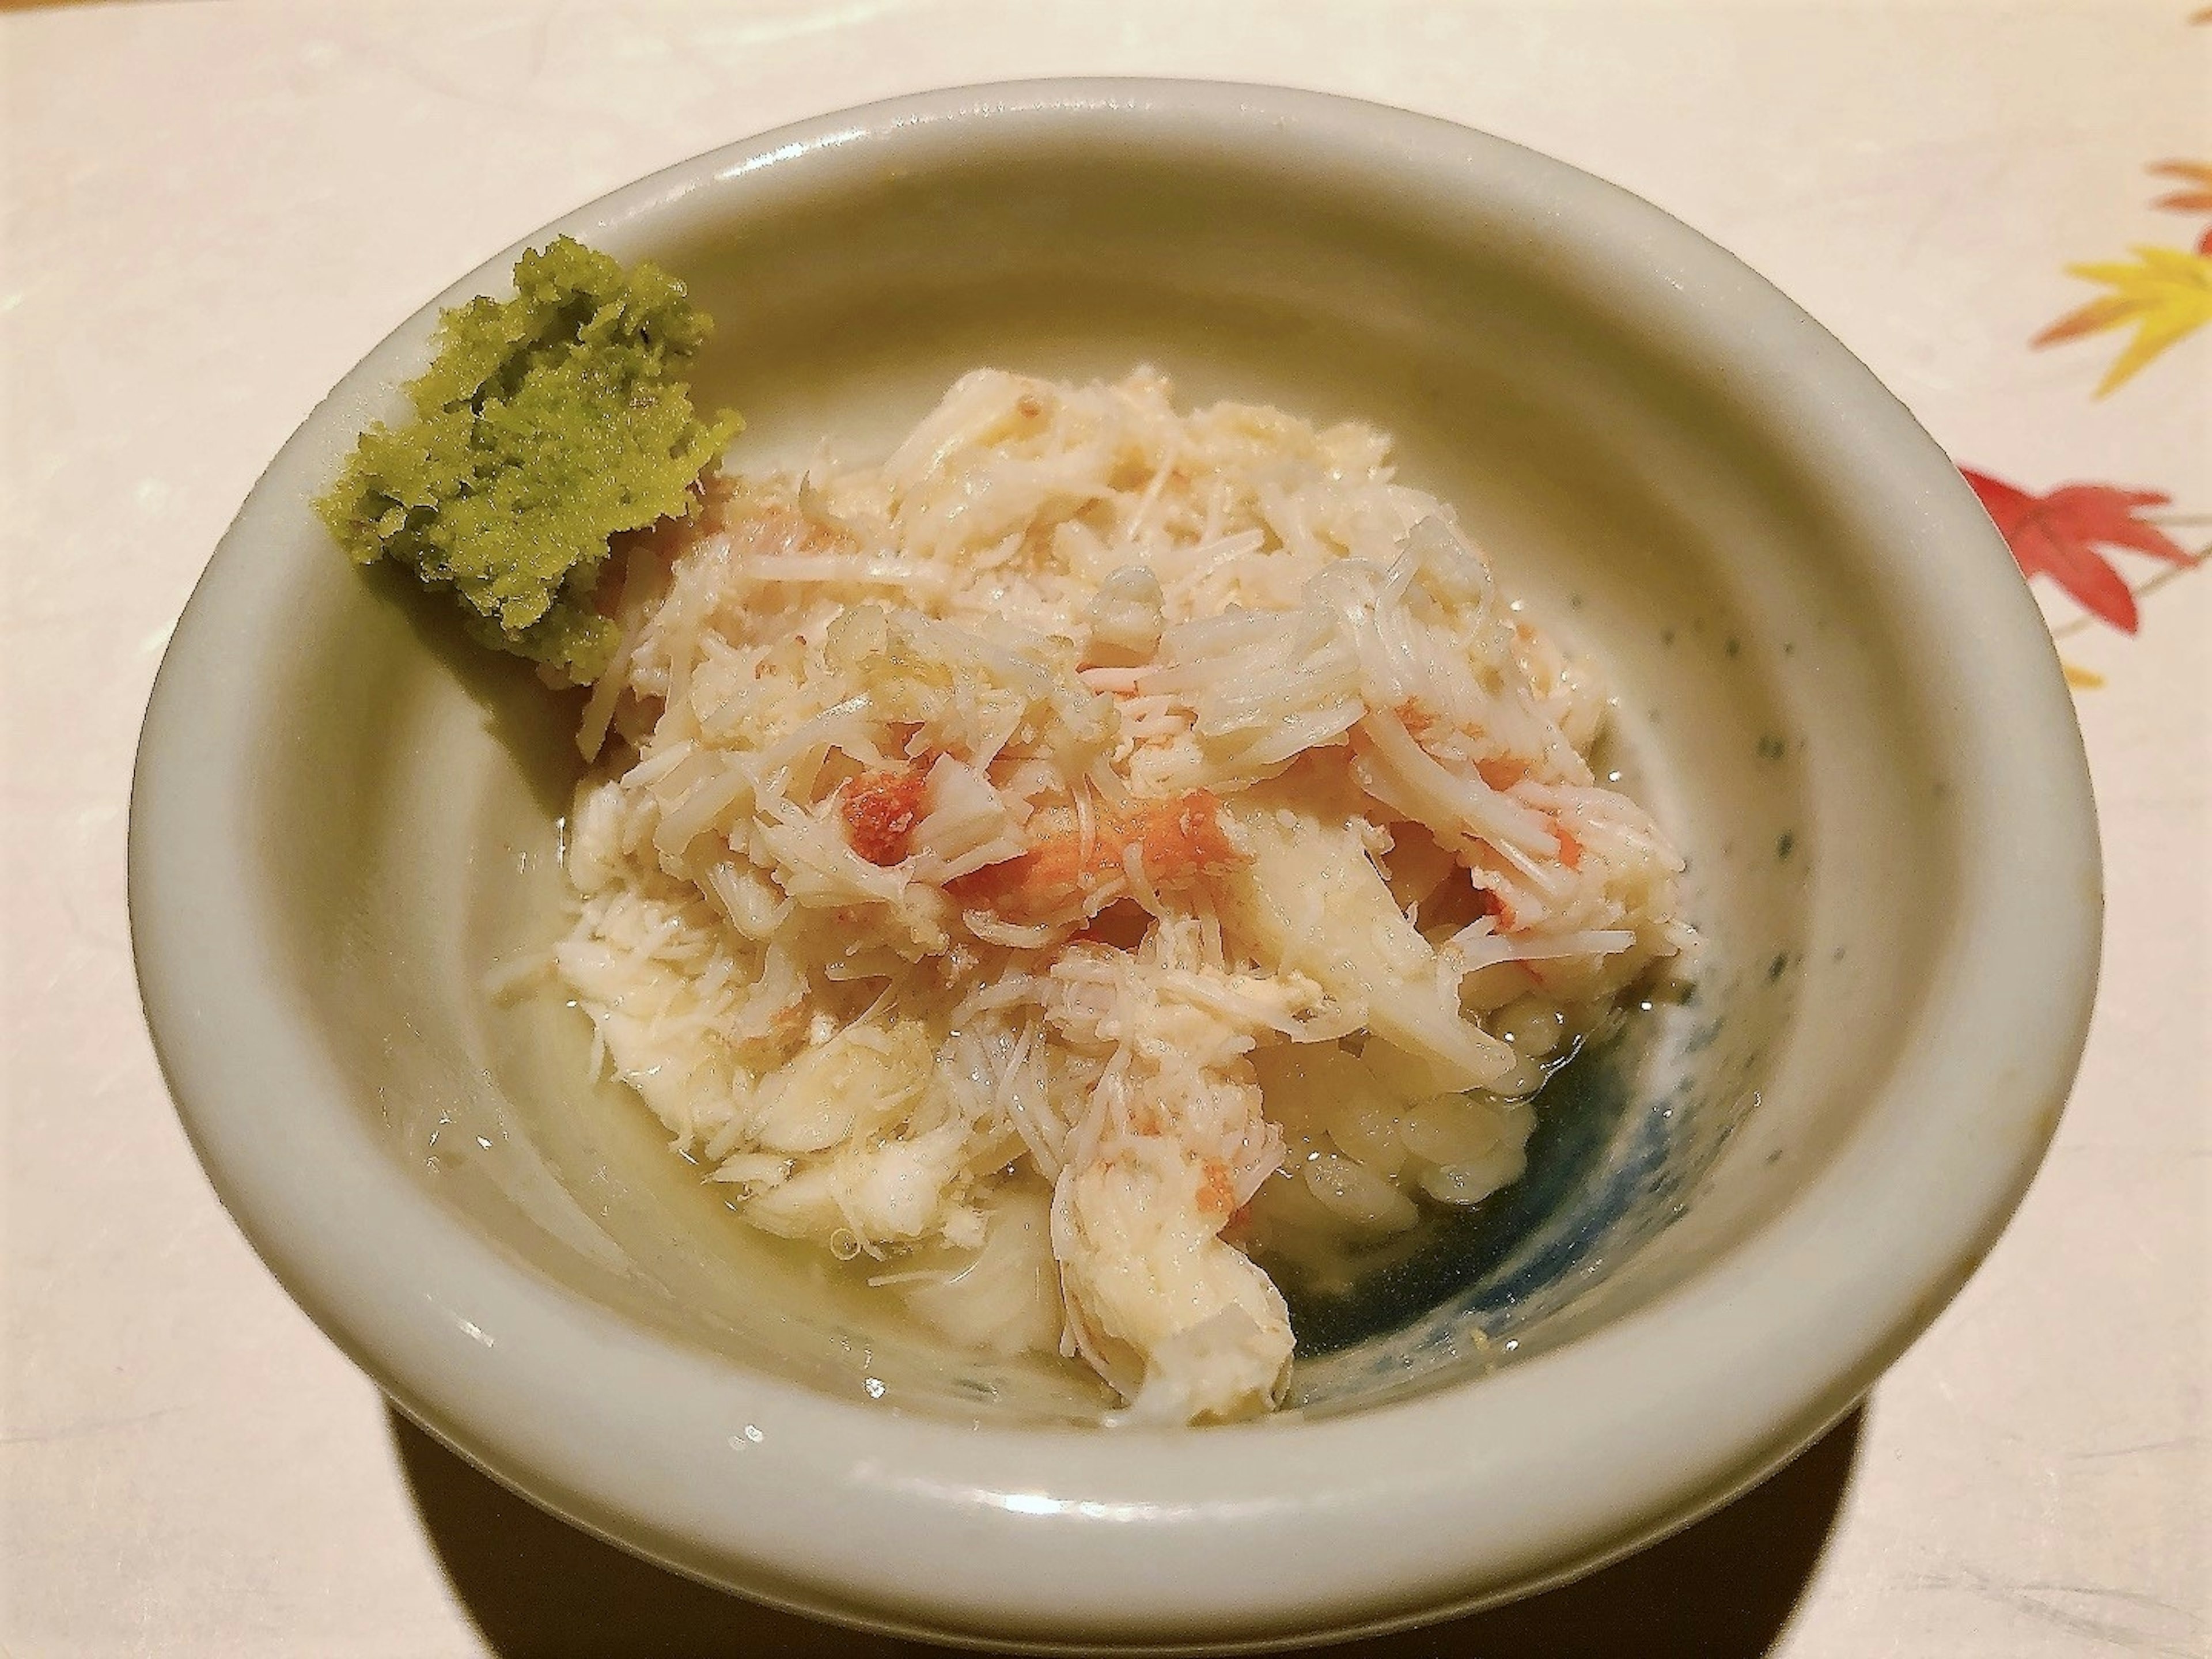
(546, 424)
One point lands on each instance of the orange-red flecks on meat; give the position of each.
(1501, 774)
(1415, 719)
(1183, 839)
(1183, 842)
(1571, 850)
(1494, 905)
(1216, 1195)
(880, 810)
(1046, 880)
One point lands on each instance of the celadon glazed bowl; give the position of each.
(1832, 687)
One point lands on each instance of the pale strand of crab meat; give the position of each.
(1471, 950)
(1045, 1141)
(1013, 935)
(1488, 816)
(599, 710)
(856, 567)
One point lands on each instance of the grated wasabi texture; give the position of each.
(545, 425)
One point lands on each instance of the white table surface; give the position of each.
(212, 209)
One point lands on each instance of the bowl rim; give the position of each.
(1256, 1533)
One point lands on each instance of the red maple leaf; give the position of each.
(2196, 196)
(2058, 535)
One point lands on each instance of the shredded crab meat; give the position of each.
(1036, 862)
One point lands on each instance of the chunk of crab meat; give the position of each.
(1178, 1321)
(1311, 900)
(1180, 843)
(1003, 1298)
(860, 1081)
(888, 1192)
(595, 832)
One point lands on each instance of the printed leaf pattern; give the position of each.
(2198, 174)
(2195, 196)
(2166, 294)
(2058, 535)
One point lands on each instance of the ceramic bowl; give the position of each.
(1832, 686)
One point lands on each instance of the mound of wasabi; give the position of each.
(545, 425)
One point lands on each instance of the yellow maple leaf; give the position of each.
(2166, 293)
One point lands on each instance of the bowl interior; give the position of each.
(411, 787)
